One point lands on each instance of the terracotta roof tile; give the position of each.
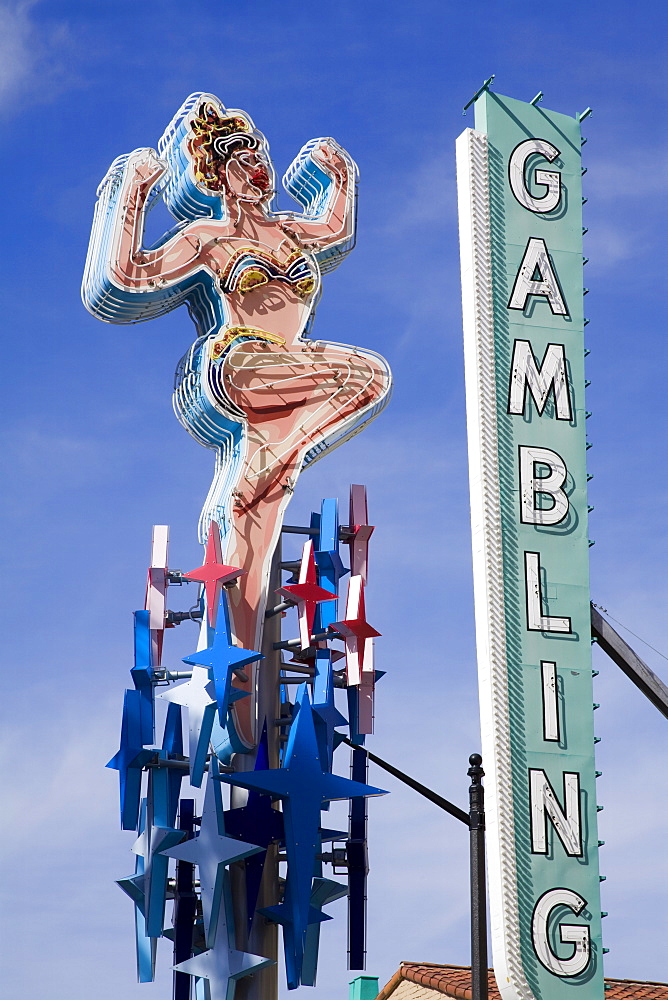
(455, 981)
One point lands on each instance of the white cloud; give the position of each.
(626, 207)
(610, 244)
(16, 54)
(638, 174)
(427, 197)
(33, 61)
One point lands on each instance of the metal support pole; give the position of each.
(358, 866)
(185, 907)
(263, 939)
(478, 883)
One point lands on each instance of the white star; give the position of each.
(199, 696)
(211, 851)
(221, 966)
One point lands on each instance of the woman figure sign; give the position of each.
(253, 386)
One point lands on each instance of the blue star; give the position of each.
(130, 759)
(211, 851)
(172, 748)
(304, 787)
(142, 674)
(324, 891)
(158, 835)
(328, 560)
(327, 715)
(259, 823)
(223, 658)
(146, 947)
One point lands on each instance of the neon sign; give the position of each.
(519, 179)
(253, 387)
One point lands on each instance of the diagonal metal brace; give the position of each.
(635, 669)
(417, 786)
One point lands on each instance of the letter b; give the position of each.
(550, 485)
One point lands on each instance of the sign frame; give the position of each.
(519, 191)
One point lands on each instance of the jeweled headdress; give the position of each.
(213, 141)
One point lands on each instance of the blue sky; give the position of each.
(94, 455)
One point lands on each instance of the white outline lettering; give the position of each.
(549, 377)
(533, 485)
(544, 803)
(550, 178)
(536, 620)
(536, 258)
(575, 934)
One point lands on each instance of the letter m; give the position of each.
(541, 381)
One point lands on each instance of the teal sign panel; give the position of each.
(520, 200)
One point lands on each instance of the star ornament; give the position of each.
(222, 967)
(135, 887)
(130, 759)
(142, 673)
(214, 573)
(199, 697)
(211, 851)
(258, 823)
(304, 786)
(156, 590)
(362, 531)
(222, 659)
(327, 715)
(302, 778)
(366, 692)
(328, 559)
(307, 594)
(355, 630)
(155, 838)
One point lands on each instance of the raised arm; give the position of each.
(333, 222)
(123, 282)
(131, 265)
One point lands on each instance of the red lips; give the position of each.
(260, 179)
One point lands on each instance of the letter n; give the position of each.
(544, 804)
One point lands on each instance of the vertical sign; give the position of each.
(519, 181)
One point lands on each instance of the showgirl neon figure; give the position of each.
(253, 387)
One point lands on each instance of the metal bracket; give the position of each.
(485, 86)
(635, 669)
(176, 617)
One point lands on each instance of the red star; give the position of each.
(359, 542)
(355, 630)
(214, 573)
(307, 594)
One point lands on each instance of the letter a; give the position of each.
(536, 259)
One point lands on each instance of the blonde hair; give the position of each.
(213, 140)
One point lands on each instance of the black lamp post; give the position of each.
(475, 820)
(478, 881)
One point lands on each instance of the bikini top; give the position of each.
(249, 268)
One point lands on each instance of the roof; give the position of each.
(455, 981)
